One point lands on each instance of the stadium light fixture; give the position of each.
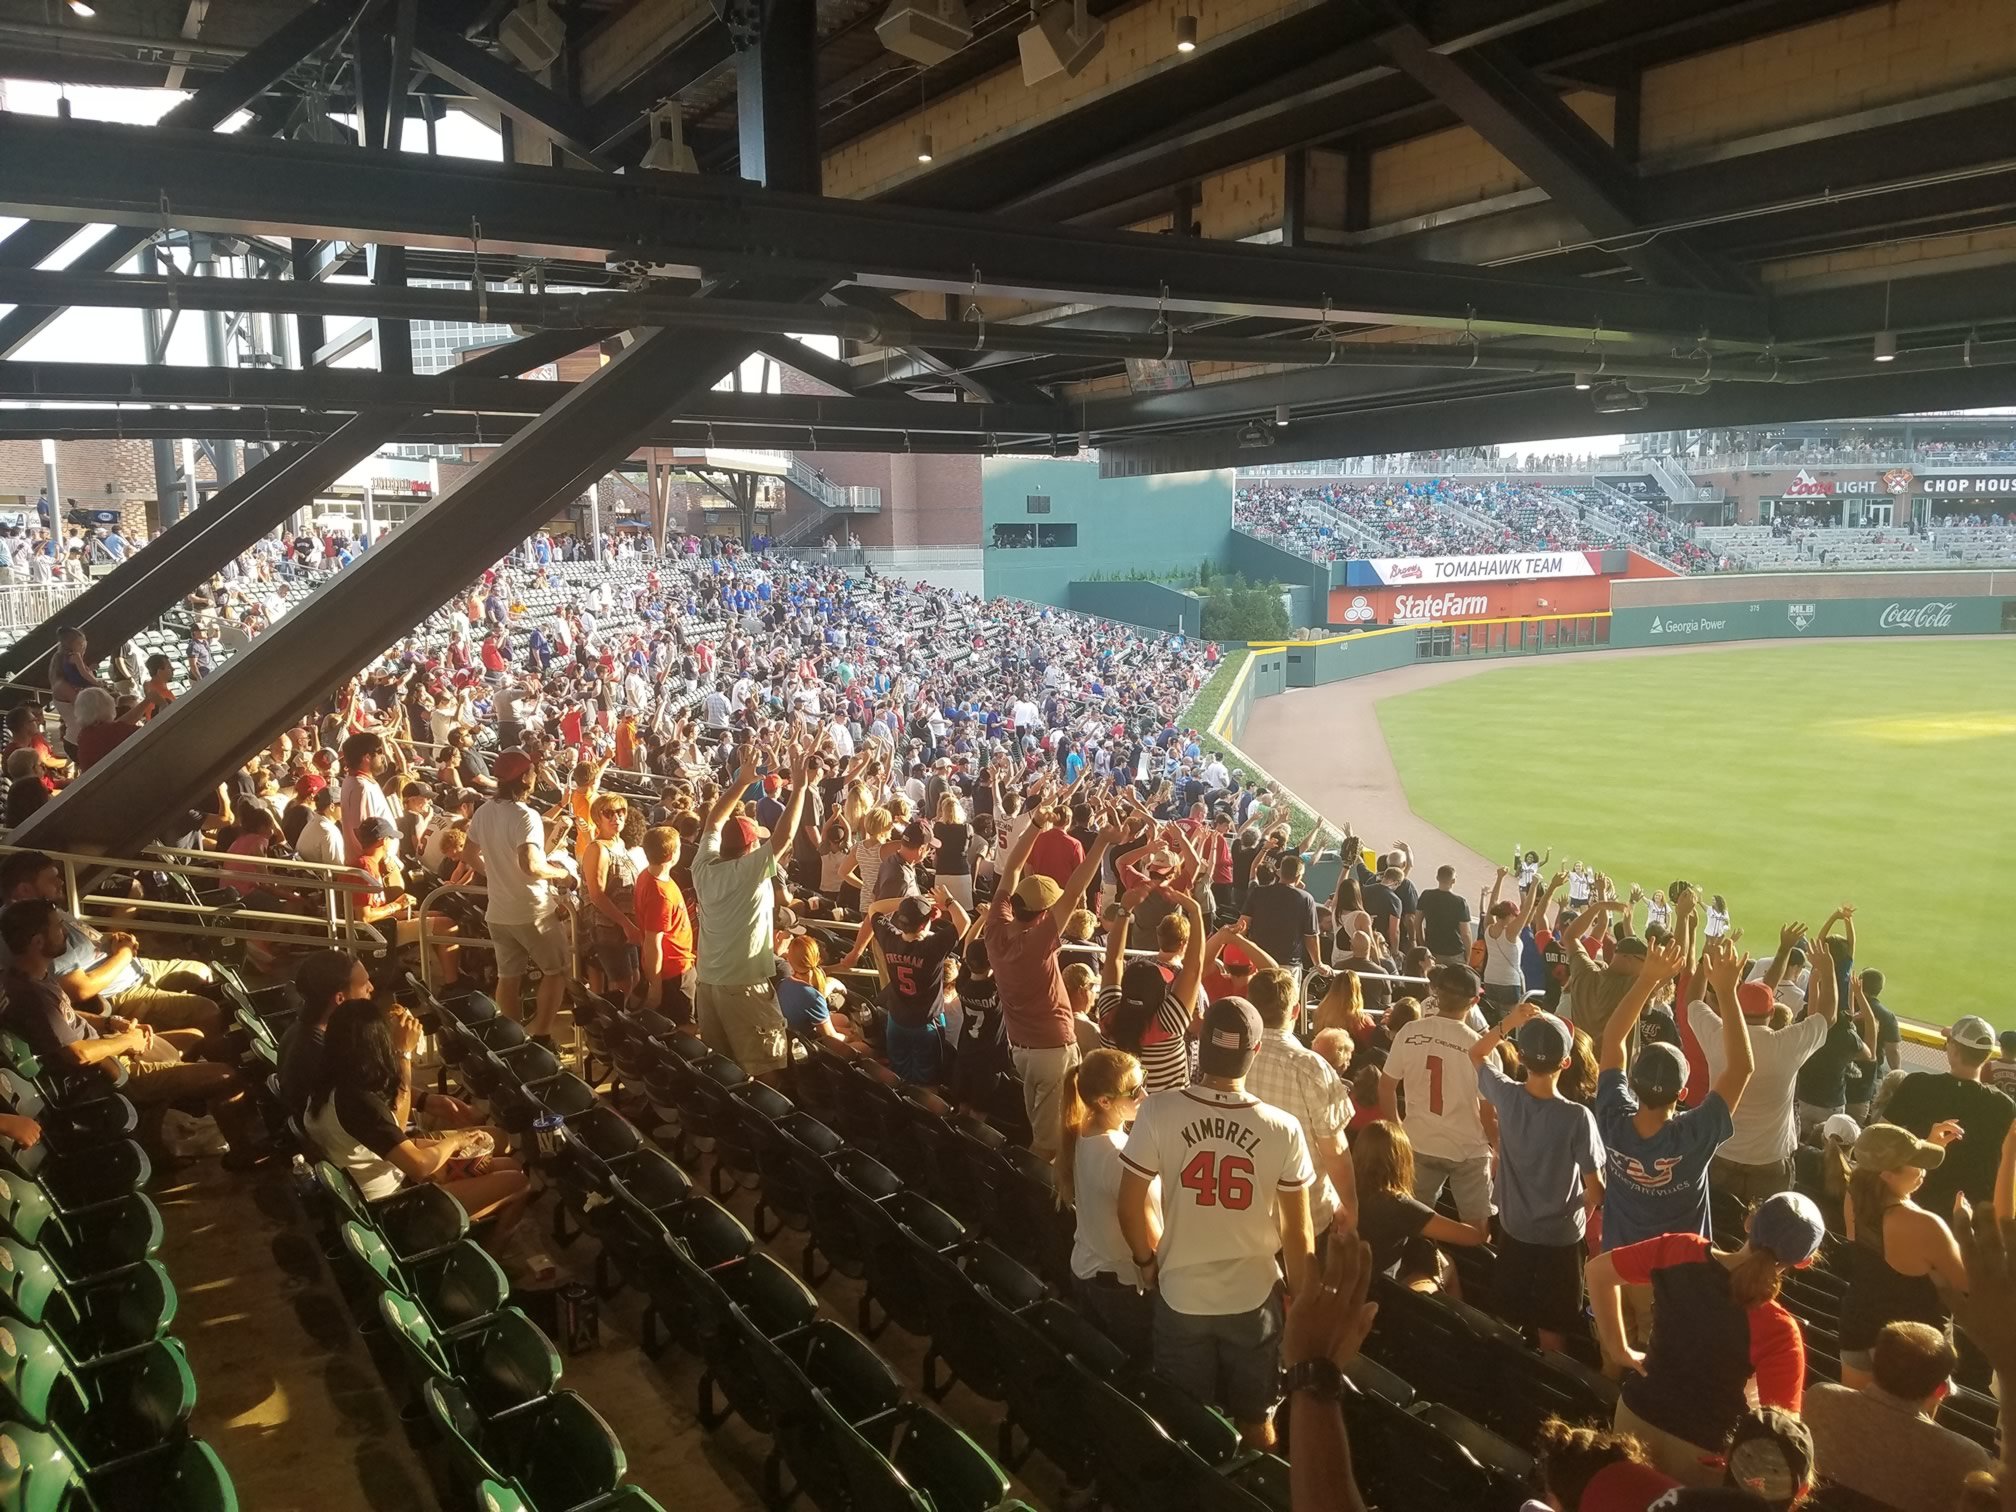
(1280, 414)
(1582, 382)
(1186, 34)
(79, 8)
(668, 152)
(924, 147)
(1886, 346)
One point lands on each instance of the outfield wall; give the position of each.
(1799, 605)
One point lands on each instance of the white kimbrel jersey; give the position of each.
(1222, 1157)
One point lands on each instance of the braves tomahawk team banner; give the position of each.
(1390, 572)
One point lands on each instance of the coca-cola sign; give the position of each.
(1932, 615)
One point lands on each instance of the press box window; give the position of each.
(1039, 503)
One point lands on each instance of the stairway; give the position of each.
(830, 495)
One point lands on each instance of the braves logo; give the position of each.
(1407, 573)
(1661, 1174)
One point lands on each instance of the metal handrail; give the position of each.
(339, 915)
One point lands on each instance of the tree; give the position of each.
(1235, 610)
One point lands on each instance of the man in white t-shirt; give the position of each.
(507, 843)
(1755, 1161)
(1430, 1058)
(1024, 714)
(1235, 1176)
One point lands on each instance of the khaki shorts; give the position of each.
(531, 947)
(745, 1024)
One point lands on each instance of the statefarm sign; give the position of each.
(1395, 571)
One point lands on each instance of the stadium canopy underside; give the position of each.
(1335, 227)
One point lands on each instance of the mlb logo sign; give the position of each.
(1801, 615)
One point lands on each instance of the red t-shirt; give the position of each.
(661, 910)
(1055, 855)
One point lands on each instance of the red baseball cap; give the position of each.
(1755, 999)
(511, 765)
(740, 835)
(1625, 1487)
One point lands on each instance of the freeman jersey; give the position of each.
(1221, 1157)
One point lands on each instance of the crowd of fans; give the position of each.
(688, 780)
(1449, 518)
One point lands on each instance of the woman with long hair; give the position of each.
(1342, 1006)
(806, 996)
(1348, 915)
(1402, 1230)
(1718, 1327)
(358, 1107)
(950, 830)
(1901, 1256)
(1144, 1012)
(1102, 1093)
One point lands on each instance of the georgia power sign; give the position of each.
(1396, 572)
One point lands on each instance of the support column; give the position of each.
(595, 520)
(777, 91)
(133, 594)
(127, 799)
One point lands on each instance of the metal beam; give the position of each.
(1557, 411)
(97, 171)
(133, 595)
(1525, 119)
(801, 358)
(209, 107)
(276, 427)
(519, 95)
(698, 56)
(459, 392)
(127, 799)
(776, 94)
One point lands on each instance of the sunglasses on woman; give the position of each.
(1134, 1093)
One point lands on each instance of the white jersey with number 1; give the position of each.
(1222, 1156)
(1430, 1059)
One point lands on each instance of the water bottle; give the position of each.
(580, 1318)
(547, 1132)
(303, 1178)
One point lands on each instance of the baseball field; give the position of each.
(1789, 778)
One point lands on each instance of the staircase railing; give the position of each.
(831, 495)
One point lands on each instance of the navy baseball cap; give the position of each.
(1231, 1034)
(1659, 1071)
(1789, 1225)
(1543, 1041)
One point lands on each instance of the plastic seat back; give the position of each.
(420, 1349)
(857, 1380)
(459, 1286)
(460, 1432)
(34, 1375)
(873, 1484)
(28, 1282)
(508, 1363)
(714, 1234)
(36, 1472)
(25, 1209)
(956, 1473)
(1141, 1468)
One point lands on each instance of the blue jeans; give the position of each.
(1232, 1360)
(916, 1054)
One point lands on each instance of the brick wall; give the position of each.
(96, 474)
(1139, 39)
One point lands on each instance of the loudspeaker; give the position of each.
(1062, 39)
(532, 35)
(925, 31)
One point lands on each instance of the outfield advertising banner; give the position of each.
(1419, 572)
(1792, 619)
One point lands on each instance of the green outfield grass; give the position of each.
(1789, 778)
